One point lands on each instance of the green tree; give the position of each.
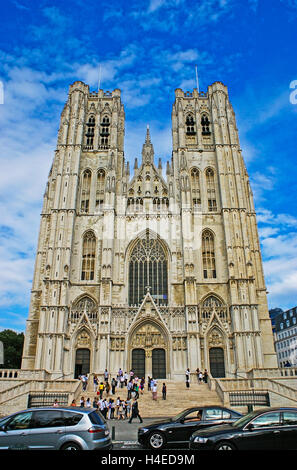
(13, 348)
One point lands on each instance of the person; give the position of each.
(126, 378)
(73, 403)
(105, 411)
(129, 388)
(205, 375)
(82, 402)
(95, 383)
(106, 375)
(117, 406)
(88, 403)
(193, 419)
(122, 381)
(136, 390)
(142, 382)
(95, 403)
(113, 386)
(188, 378)
(107, 388)
(164, 391)
(102, 407)
(149, 383)
(56, 403)
(135, 411)
(154, 389)
(128, 408)
(84, 379)
(112, 409)
(197, 374)
(109, 408)
(118, 380)
(101, 389)
(121, 410)
(200, 377)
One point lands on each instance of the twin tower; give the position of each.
(159, 270)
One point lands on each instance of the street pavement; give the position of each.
(125, 434)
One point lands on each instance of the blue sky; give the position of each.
(147, 49)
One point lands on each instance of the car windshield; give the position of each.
(243, 420)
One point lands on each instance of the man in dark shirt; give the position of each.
(135, 411)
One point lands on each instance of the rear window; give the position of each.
(213, 413)
(71, 419)
(290, 418)
(96, 417)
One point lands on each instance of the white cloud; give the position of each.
(278, 237)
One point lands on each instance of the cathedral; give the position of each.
(158, 269)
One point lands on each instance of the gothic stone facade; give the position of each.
(157, 272)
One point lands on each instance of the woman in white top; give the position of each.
(154, 390)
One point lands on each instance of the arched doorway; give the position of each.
(159, 363)
(148, 350)
(217, 362)
(82, 362)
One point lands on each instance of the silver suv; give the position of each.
(57, 428)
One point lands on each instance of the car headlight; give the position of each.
(143, 430)
(201, 440)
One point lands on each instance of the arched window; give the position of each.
(211, 190)
(212, 301)
(148, 269)
(213, 304)
(190, 125)
(90, 131)
(205, 124)
(88, 257)
(85, 191)
(85, 305)
(195, 180)
(208, 255)
(104, 131)
(195, 186)
(100, 187)
(138, 207)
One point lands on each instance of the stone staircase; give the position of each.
(178, 398)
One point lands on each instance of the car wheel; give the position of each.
(156, 440)
(224, 445)
(71, 446)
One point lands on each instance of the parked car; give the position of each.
(57, 428)
(178, 430)
(268, 428)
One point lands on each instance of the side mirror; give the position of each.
(3, 428)
(182, 420)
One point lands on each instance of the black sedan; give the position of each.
(179, 429)
(265, 429)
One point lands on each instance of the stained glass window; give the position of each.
(208, 255)
(148, 271)
(88, 257)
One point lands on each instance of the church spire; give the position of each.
(148, 136)
(148, 149)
